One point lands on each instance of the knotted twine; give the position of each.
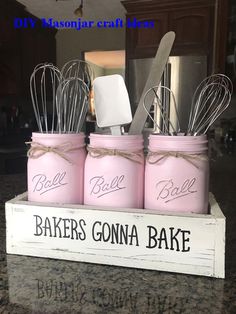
(136, 156)
(156, 157)
(37, 150)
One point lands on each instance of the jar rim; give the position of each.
(179, 137)
(57, 135)
(110, 136)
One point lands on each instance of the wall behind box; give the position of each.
(71, 43)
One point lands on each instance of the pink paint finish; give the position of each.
(114, 181)
(51, 178)
(176, 183)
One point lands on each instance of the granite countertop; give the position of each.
(40, 285)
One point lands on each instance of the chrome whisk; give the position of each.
(210, 100)
(44, 82)
(74, 93)
(72, 104)
(60, 98)
(78, 69)
(166, 126)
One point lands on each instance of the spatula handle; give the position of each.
(154, 79)
(116, 130)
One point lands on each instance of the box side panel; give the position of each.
(219, 267)
(10, 235)
(168, 243)
(215, 209)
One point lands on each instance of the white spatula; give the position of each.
(111, 101)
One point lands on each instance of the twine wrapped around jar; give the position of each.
(37, 150)
(136, 156)
(156, 157)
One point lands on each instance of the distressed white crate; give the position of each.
(183, 243)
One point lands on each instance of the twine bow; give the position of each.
(155, 157)
(136, 156)
(37, 150)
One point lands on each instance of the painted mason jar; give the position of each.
(114, 171)
(177, 174)
(56, 168)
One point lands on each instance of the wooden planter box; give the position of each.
(183, 243)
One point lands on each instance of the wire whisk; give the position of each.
(72, 104)
(44, 82)
(166, 126)
(78, 69)
(61, 98)
(210, 100)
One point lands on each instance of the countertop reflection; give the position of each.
(53, 286)
(40, 285)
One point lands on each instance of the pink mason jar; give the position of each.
(177, 174)
(56, 168)
(114, 171)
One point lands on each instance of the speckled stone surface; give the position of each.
(37, 285)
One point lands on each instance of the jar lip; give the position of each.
(180, 137)
(57, 135)
(181, 140)
(121, 137)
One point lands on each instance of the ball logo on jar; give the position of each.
(100, 186)
(43, 184)
(168, 191)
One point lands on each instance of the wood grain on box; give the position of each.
(183, 243)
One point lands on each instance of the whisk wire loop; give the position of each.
(167, 123)
(210, 100)
(59, 96)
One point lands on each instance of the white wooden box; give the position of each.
(183, 243)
